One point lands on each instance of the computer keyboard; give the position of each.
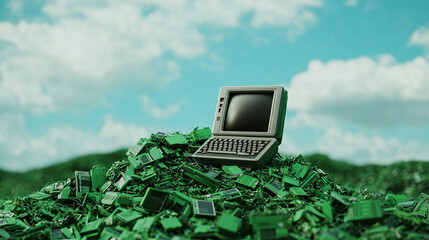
(239, 147)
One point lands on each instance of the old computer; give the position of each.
(248, 127)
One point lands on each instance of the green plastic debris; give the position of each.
(270, 225)
(98, 177)
(201, 135)
(158, 191)
(228, 225)
(154, 199)
(170, 223)
(247, 182)
(109, 198)
(128, 216)
(234, 171)
(365, 210)
(296, 192)
(204, 208)
(176, 140)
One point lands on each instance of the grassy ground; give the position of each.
(14, 184)
(410, 178)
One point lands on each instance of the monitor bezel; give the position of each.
(221, 110)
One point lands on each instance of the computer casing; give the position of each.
(273, 134)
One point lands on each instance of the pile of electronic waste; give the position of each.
(159, 192)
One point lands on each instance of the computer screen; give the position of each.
(248, 111)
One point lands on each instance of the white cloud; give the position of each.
(421, 37)
(361, 149)
(93, 47)
(60, 143)
(373, 93)
(76, 52)
(351, 3)
(156, 112)
(16, 6)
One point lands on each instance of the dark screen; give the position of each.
(205, 207)
(248, 112)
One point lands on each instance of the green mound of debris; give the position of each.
(159, 192)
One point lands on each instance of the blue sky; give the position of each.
(79, 77)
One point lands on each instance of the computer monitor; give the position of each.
(257, 111)
(248, 126)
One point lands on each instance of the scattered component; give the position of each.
(275, 189)
(296, 191)
(170, 224)
(154, 199)
(200, 177)
(204, 208)
(168, 195)
(176, 140)
(269, 225)
(229, 194)
(83, 182)
(365, 210)
(201, 135)
(109, 198)
(122, 181)
(247, 181)
(98, 177)
(228, 225)
(421, 206)
(234, 171)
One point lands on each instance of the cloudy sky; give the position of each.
(79, 76)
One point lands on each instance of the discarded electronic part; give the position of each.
(83, 181)
(228, 226)
(310, 179)
(421, 206)
(122, 181)
(340, 198)
(365, 210)
(201, 135)
(174, 197)
(144, 225)
(181, 203)
(128, 216)
(39, 195)
(213, 174)
(290, 181)
(269, 225)
(229, 194)
(176, 140)
(170, 224)
(65, 193)
(204, 232)
(156, 154)
(232, 170)
(200, 177)
(92, 228)
(134, 150)
(109, 198)
(56, 187)
(107, 186)
(299, 170)
(98, 177)
(204, 208)
(154, 199)
(297, 192)
(246, 181)
(275, 189)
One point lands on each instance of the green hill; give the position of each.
(15, 184)
(410, 178)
